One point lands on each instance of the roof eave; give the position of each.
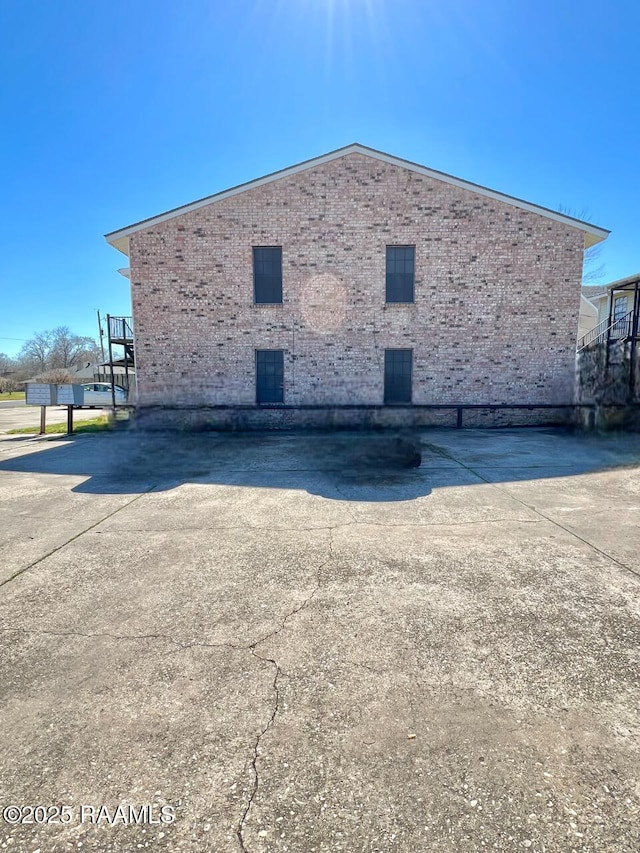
(119, 243)
(623, 283)
(593, 234)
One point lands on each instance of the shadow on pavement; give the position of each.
(349, 465)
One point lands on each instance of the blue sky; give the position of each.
(113, 112)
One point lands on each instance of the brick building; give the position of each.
(354, 288)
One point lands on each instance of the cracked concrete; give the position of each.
(276, 705)
(304, 644)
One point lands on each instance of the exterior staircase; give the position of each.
(619, 330)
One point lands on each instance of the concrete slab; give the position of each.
(41, 513)
(216, 601)
(354, 641)
(97, 720)
(610, 522)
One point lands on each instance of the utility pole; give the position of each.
(101, 335)
(113, 380)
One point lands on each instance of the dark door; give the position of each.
(270, 376)
(397, 375)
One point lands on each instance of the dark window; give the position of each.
(620, 307)
(620, 324)
(397, 375)
(400, 273)
(270, 376)
(267, 275)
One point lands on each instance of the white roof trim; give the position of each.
(630, 279)
(593, 234)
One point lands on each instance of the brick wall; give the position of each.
(497, 294)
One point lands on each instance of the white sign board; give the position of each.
(40, 394)
(70, 395)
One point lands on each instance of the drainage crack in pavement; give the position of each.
(130, 637)
(256, 750)
(276, 693)
(363, 522)
(348, 500)
(96, 636)
(366, 523)
(270, 527)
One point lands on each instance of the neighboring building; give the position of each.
(592, 292)
(613, 300)
(588, 317)
(353, 288)
(608, 363)
(618, 307)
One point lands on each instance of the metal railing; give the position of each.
(120, 328)
(619, 329)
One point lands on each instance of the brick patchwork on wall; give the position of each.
(497, 293)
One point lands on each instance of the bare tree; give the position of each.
(6, 363)
(8, 384)
(57, 348)
(592, 270)
(8, 380)
(69, 350)
(36, 352)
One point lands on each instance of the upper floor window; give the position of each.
(620, 308)
(267, 275)
(400, 273)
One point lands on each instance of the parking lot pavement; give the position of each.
(16, 415)
(321, 642)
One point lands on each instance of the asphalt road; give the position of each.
(304, 642)
(14, 414)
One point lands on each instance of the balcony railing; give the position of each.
(619, 329)
(121, 329)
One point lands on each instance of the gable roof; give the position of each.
(592, 233)
(590, 291)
